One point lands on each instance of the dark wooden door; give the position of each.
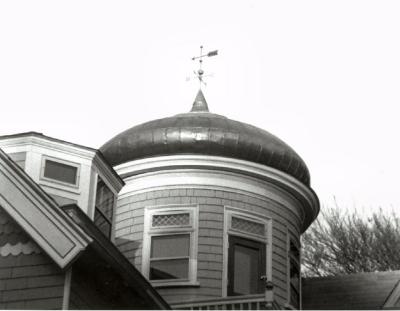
(246, 265)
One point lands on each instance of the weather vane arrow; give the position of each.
(200, 72)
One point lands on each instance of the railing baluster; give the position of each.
(249, 302)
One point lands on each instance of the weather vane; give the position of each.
(200, 72)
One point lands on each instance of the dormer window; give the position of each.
(60, 171)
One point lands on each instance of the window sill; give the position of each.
(175, 284)
(59, 186)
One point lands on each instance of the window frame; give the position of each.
(292, 258)
(108, 221)
(96, 209)
(259, 246)
(192, 229)
(230, 212)
(61, 161)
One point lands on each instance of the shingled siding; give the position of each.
(129, 235)
(28, 277)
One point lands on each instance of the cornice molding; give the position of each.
(213, 180)
(47, 143)
(305, 195)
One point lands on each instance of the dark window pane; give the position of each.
(246, 270)
(294, 283)
(169, 269)
(60, 172)
(170, 246)
(102, 223)
(294, 251)
(104, 199)
(294, 298)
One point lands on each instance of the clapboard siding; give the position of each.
(211, 203)
(26, 284)
(28, 280)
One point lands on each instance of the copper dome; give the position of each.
(205, 133)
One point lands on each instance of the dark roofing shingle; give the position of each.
(354, 291)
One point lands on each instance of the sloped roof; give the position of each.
(102, 248)
(359, 291)
(39, 215)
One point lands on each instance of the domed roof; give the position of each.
(205, 133)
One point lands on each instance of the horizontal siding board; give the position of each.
(38, 270)
(214, 233)
(202, 274)
(47, 303)
(279, 265)
(33, 293)
(282, 275)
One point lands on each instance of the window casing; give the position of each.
(170, 245)
(60, 171)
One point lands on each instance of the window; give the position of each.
(170, 245)
(247, 246)
(294, 275)
(246, 265)
(104, 206)
(60, 171)
(169, 257)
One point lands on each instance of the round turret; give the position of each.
(212, 208)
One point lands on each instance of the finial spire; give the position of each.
(200, 103)
(200, 72)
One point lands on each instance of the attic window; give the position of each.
(60, 171)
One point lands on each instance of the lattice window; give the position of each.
(171, 220)
(248, 226)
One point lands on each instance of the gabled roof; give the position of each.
(376, 290)
(39, 215)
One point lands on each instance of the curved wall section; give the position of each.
(213, 193)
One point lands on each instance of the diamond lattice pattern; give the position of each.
(248, 226)
(168, 220)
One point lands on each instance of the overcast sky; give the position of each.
(324, 76)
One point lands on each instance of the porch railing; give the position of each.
(248, 302)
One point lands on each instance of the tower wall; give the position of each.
(215, 189)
